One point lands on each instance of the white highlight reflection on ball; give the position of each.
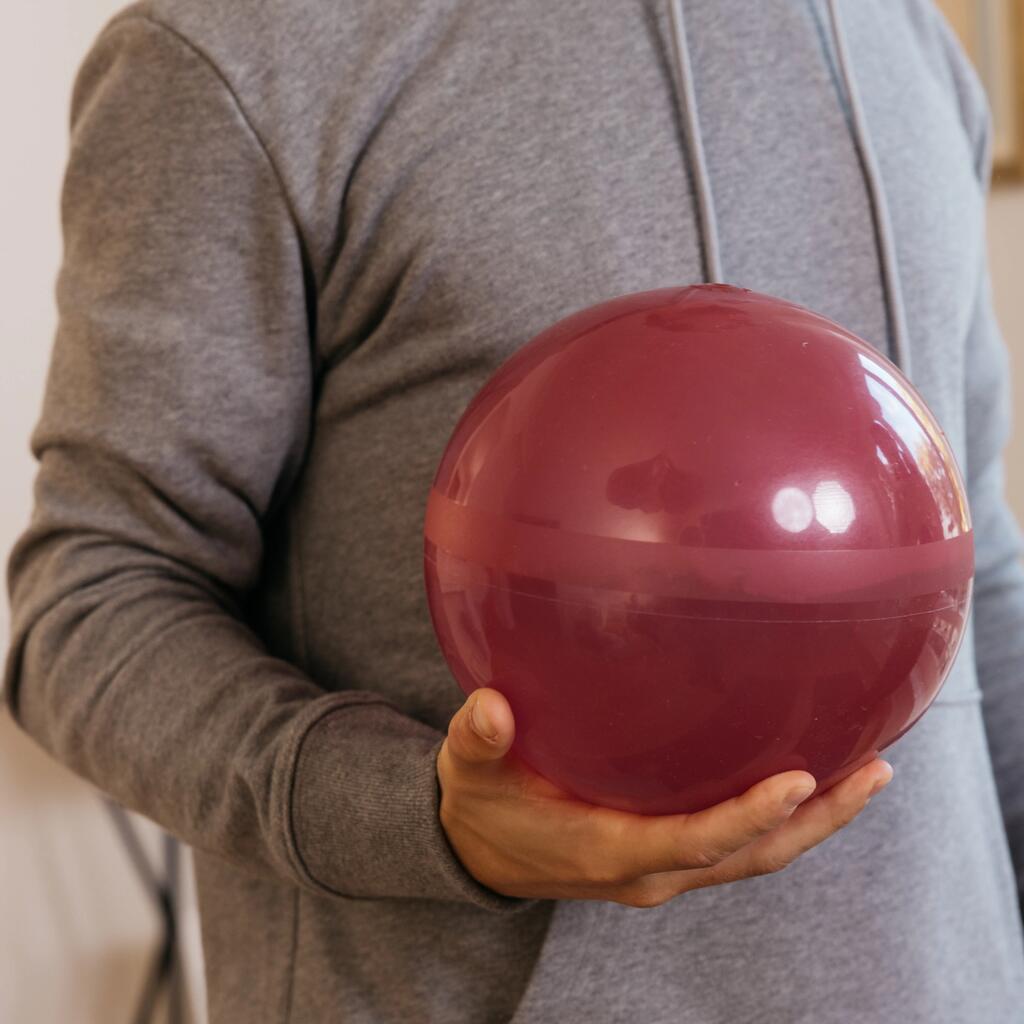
(792, 509)
(833, 506)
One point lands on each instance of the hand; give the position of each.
(520, 835)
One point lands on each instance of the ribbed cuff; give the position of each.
(365, 811)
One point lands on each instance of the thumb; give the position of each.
(483, 728)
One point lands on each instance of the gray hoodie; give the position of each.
(299, 237)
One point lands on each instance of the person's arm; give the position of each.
(998, 614)
(998, 611)
(176, 417)
(997, 617)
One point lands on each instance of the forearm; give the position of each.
(137, 672)
(175, 423)
(135, 677)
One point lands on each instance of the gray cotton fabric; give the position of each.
(299, 237)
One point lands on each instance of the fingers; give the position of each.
(681, 841)
(481, 730)
(811, 825)
(522, 835)
(806, 827)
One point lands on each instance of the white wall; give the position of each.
(75, 930)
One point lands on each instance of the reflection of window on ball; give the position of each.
(703, 536)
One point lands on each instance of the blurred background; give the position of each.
(78, 929)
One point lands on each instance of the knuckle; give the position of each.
(702, 858)
(707, 855)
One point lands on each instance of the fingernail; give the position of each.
(481, 723)
(798, 794)
(882, 782)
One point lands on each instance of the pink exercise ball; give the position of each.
(698, 536)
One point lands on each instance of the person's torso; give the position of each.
(466, 172)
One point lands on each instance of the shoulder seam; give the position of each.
(130, 15)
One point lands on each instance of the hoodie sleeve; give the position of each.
(998, 612)
(998, 606)
(176, 416)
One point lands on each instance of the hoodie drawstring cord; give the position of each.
(895, 307)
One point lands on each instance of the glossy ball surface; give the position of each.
(698, 536)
